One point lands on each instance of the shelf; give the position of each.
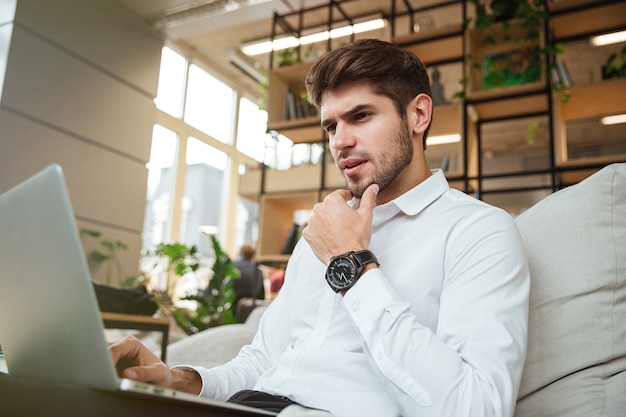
(587, 101)
(598, 99)
(299, 130)
(304, 177)
(286, 81)
(274, 260)
(304, 130)
(435, 46)
(250, 184)
(561, 6)
(277, 216)
(521, 101)
(573, 177)
(576, 18)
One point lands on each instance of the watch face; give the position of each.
(341, 273)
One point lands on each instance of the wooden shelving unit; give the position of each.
(588, 101)
(277, 218)
(285, 80)
(455, 44)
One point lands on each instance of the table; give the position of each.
(25, 398)
(139, 322)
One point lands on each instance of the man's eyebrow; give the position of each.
(356, 109)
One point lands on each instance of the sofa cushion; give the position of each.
(576, 244)
(215, 346)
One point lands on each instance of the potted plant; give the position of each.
(107, 255)
(288, 56)
(506, 44)
(181, 259)
(215, 303)
(615, 66)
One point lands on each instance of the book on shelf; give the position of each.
(297, 107)
(295, 231)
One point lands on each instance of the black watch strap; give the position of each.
(364, 257)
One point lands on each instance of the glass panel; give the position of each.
(247, 222)
(203, 197)
(160, 186)
(171, 83)
(251, 129)
(209, 105)
(278, 151)
(307, 154)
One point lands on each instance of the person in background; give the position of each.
(250, 282)
(405, 297)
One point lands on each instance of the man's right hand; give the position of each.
(135, 361)
(335, 228)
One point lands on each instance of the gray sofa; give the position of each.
(576, 362)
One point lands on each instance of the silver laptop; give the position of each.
(50, 325)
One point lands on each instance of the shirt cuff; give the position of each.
(204, 391)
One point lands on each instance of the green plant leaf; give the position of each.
(98, 256)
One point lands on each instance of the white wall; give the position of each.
(77, 82)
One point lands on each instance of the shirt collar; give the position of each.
(418, 197)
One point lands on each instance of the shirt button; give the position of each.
(356, 305)
(379, 355)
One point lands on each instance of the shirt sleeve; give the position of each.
(253, 360)
(471, 365)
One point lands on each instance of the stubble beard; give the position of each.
(391, 162)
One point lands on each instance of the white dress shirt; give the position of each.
(438, 330)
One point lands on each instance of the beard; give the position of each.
(389, 164)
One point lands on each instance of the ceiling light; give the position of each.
(613, 120)
(265, 46)
(609, 38)
(442, 139)
(190, 12)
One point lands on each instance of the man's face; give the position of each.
(368, 140)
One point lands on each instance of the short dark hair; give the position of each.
(390, 70)
(247, 251)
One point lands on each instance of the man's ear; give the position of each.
(421, 111)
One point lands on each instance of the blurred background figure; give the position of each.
(249, 286)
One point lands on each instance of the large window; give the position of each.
(252, 121)
(171, 92)
(204, 192)
(209, 105)
(161, 170)
(205, 132)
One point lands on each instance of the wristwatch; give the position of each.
(345, 270)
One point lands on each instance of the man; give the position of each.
(432, 318)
